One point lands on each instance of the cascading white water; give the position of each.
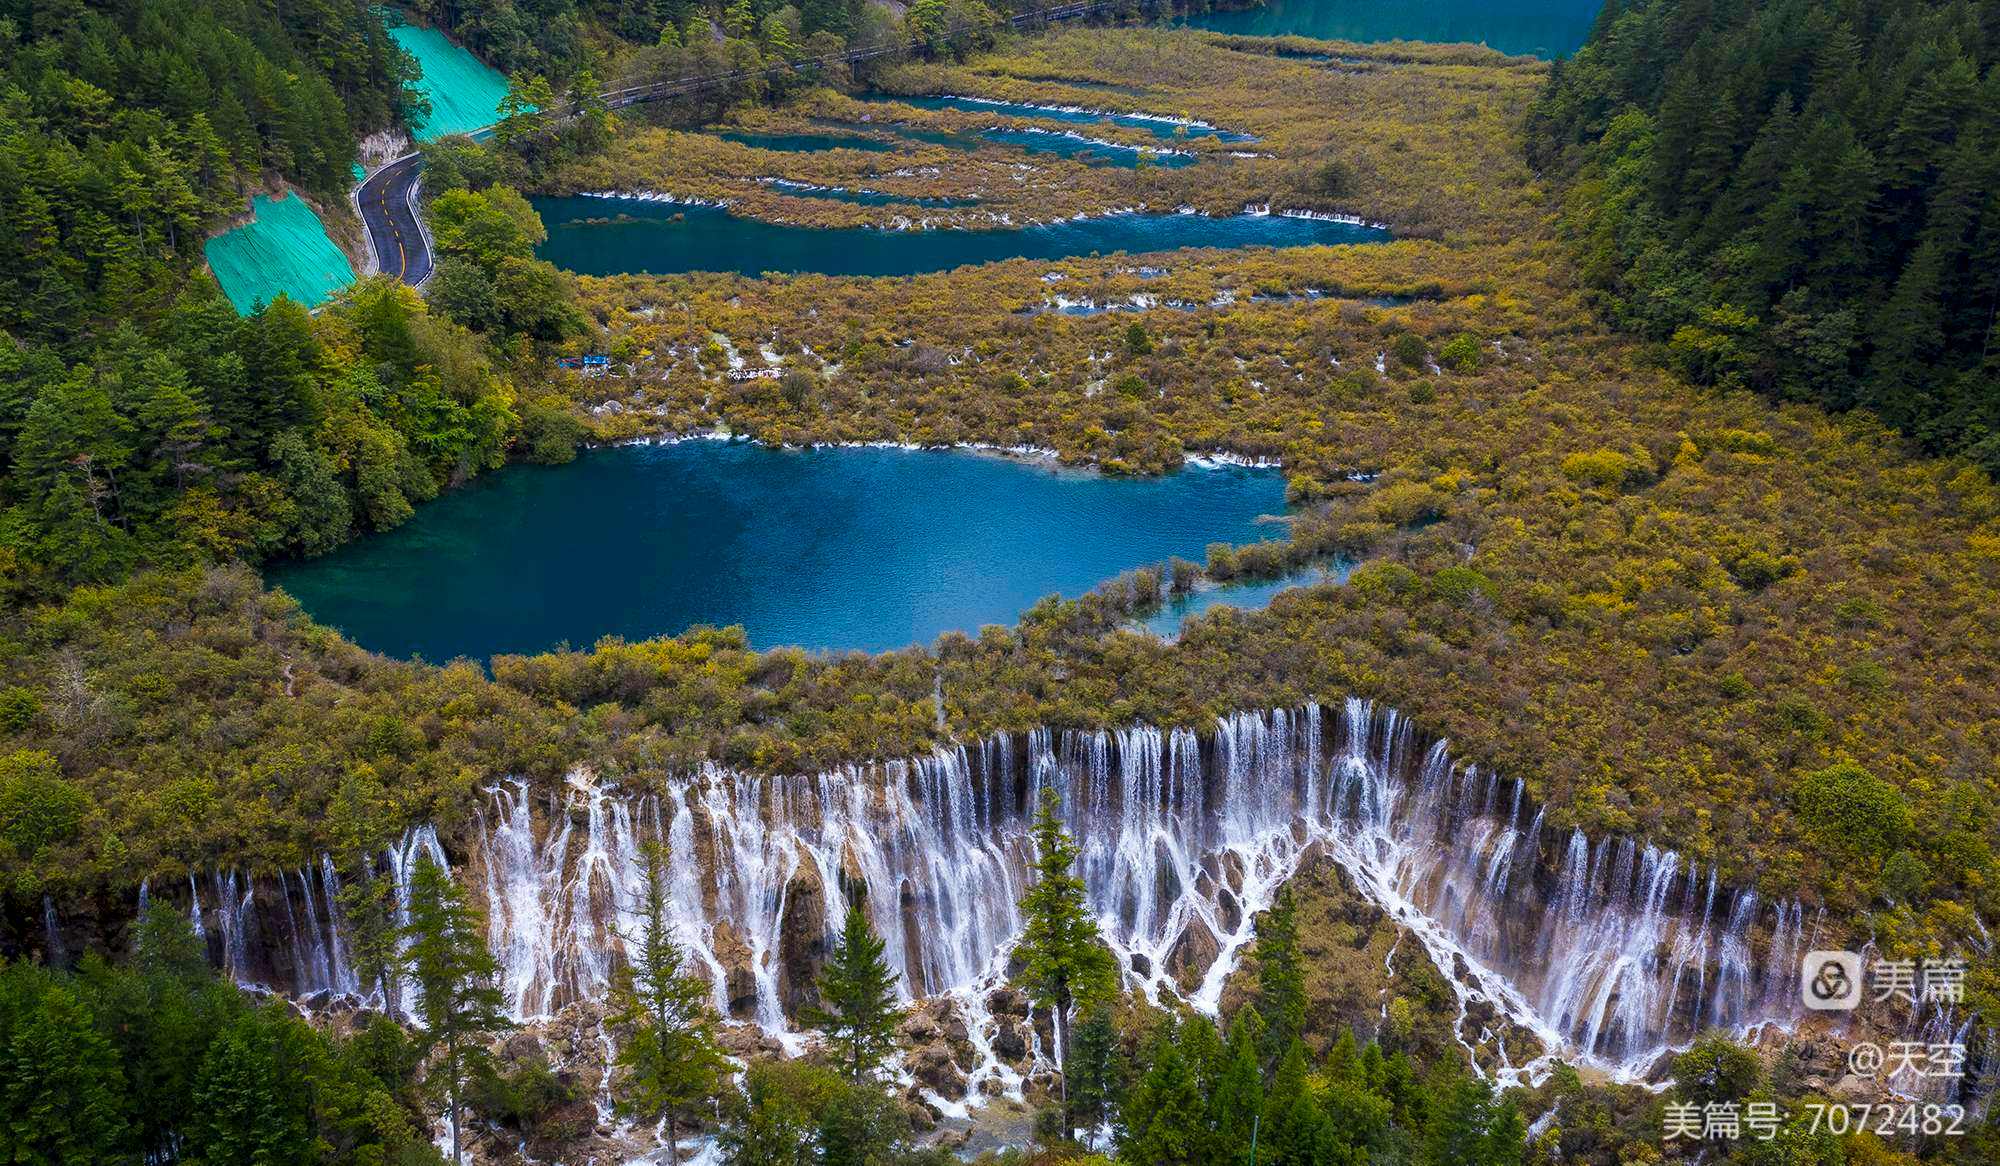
(1609, 950)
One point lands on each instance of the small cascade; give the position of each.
(54, 954)
(1610, 950)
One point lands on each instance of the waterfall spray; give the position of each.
(1606, 950)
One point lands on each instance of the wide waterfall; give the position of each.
(1609, 950)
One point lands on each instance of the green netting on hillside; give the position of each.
(284, 249)
(464, 93)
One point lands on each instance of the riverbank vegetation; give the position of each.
(210, 437)
(156, 1058)
(1354, 155)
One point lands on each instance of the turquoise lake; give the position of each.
(1542, 28)
(1249, 595)
(864, 197)
(632, 235)
(832, 548)
(1088, 150)
(807, 143)
(1160, 126)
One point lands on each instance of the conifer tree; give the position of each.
(1468, 1127)
(1237, 1095)
(676, 1066)
(249, 1105)
(1281, 992)
(63, 1087)
(1295, 1129)
(161, 1022)
(1064, 962)
(367, 899)
(454, 975)
(1160, 1119)
(857, 991)
(1093, 1072)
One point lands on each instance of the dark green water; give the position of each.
(868, 197)
(1166, 622)
(1089, 151)
(1543, 28)
(1158, 126)
(807, 143)
(664, 238)
(831, 548)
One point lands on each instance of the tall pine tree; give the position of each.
(676, 1066)
(454, 973)
(1281, 990)
(857, 991)
(1064, 962)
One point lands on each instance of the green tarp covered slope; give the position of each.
(284, 249)
(464, 93)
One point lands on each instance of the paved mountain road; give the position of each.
(387, 199)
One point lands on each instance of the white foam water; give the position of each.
(1610, 951)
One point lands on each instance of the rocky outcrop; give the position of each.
(804, 938)
(739, 974)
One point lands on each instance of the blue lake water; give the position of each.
(1167, 621)
(869, 197)
(599, 236)
(1542, 28)
(807, 143)
(832, 548)
(1090, 151)
(1160, 126)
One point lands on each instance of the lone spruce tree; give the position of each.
(857, 992)
(676, 1066)
(1281, 987)
(1064, 963)
(454, 975)
(366, 898)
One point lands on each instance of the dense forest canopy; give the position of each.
(128, 130)
(142, 422)
(1798, 195)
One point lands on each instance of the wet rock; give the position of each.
(1189, 959)
(1230, 865)
(739, 977)
(934, 1065)
(913, 932)
(802, 939)
(1142, 964)
(954, 1028)
(1228, 910)
(1010, 1041)
(923, 1116)
(1007, 1001)
(919, 1027)
(739, 1040)
(853, 876)
(555, 1131)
